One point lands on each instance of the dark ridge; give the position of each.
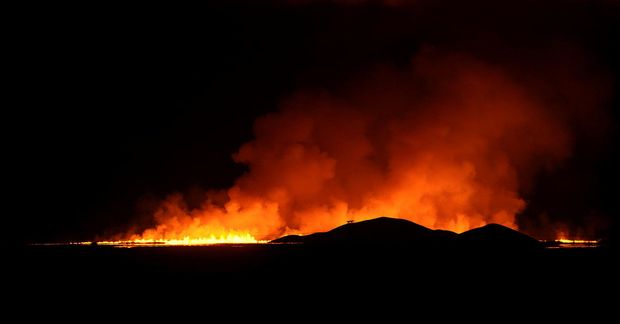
(289, 239)
(445, 234)
(382, 230)
(496, 236)
(393, 231)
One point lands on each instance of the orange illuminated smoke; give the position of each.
(448, 143)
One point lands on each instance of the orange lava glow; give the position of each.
(569, 241)
(563, 237)
(228, 238)
(187, 241)
(563, 240)
(224, 237)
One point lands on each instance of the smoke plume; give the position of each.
(447, 142)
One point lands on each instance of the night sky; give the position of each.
(118, 107)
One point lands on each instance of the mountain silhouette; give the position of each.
(382, 230)
(496, 236)
(395, 231)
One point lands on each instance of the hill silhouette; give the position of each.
(496, 236)
(394, 231)
(378, 230)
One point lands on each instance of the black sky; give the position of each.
(117, 107)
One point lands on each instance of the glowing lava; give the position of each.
(568, 241)
(229, 238)
(562, 241)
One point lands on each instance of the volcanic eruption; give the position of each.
(448, 142)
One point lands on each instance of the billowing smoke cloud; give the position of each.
(454, 139)
(447, 142)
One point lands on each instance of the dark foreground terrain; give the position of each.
(316, 279)
(289, 260)
(301, 274)
(489, 264)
